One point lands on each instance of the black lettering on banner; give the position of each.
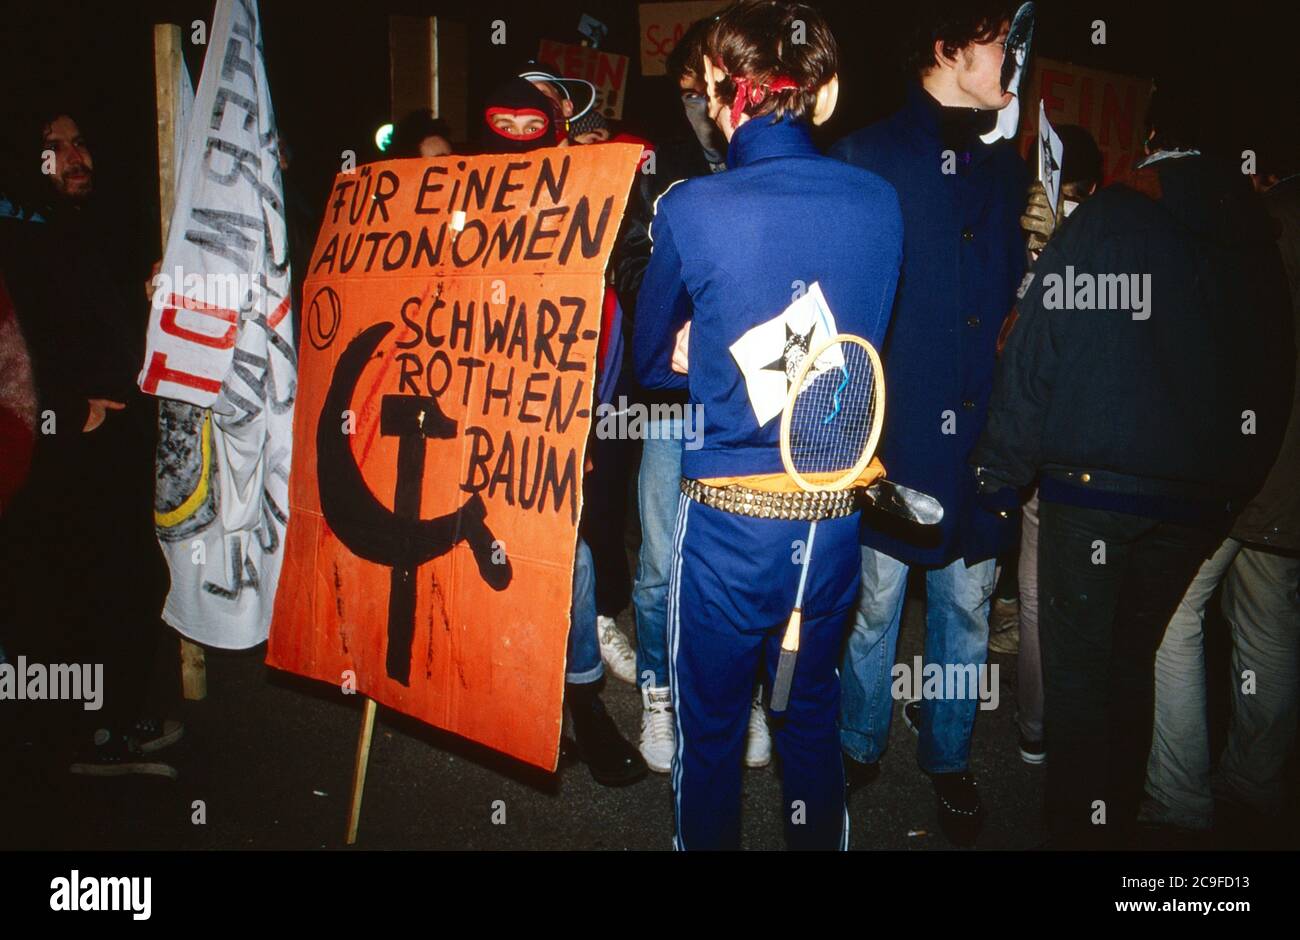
(412, 368)
(410, 324)
(578, 224)
(525, 417)
(379, 202)
(428, 187)
(546, 177)
(551, 486)
(540, 231)
(570, 336)
(225, 239)
(506, 188)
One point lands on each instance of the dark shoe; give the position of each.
(114, 756)
(858, 775)
(1032, 752)
(912, 717)
(961, 813)
(153, 734)
(613, 762)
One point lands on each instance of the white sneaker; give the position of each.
(616, 651)
(758, 743)
(658, 731)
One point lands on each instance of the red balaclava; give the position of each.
(518, 96)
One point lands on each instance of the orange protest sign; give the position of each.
(1109, 106)
(607, 71)
(444, 401)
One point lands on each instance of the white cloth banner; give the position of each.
(220, 352)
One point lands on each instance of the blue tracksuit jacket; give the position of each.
(731, 252)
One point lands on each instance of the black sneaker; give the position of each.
(912, 717)
(613, 761)
(1032, 752)
(114, 756)
(153, 734)
(961, 813)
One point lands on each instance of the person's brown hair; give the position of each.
(684, 58)
(762, 40)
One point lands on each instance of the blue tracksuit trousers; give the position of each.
(732, 588)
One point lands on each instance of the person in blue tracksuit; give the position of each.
(731, 252)
(963, 259)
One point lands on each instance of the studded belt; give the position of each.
(798, 506)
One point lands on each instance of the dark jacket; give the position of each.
(1145, 411)
(1273, 517)
(729, 253)
(963, 256)
(678, 159)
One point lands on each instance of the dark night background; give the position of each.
(329, 75)
(329, 69)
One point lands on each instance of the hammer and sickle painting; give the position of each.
(444, 403)
(398, 538)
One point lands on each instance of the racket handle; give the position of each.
(791, 640)
(785, 665)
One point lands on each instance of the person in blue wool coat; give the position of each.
(735, 253)
(962, 188)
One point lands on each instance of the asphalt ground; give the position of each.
(268, 757)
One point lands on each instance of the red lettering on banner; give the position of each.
(159, 372)
(169, 325)
(610, 71)
(1111, 114)
(1085, 102)
(278, 314)
(1051, 101)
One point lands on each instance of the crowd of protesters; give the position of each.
(1105, 470)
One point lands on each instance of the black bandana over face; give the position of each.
(518, 98)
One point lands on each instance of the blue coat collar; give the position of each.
(762, 138)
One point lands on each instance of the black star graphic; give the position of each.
(792, 355)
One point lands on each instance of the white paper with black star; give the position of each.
(769, 355)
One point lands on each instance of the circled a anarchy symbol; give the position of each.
(324, 315)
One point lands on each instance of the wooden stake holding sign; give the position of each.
(359, 769)
(167, 64)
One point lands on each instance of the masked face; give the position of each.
(519, 118)
(1019, 36)
(1014, 41)
(706, 132)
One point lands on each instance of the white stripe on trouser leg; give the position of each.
(674, 631)
(844, 787)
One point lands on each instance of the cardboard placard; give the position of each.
(445, 397)
(662, 25)
(1110, 106)
(606, 70)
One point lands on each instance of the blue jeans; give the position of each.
(658, 490)
(956, 632)
(584, 663)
